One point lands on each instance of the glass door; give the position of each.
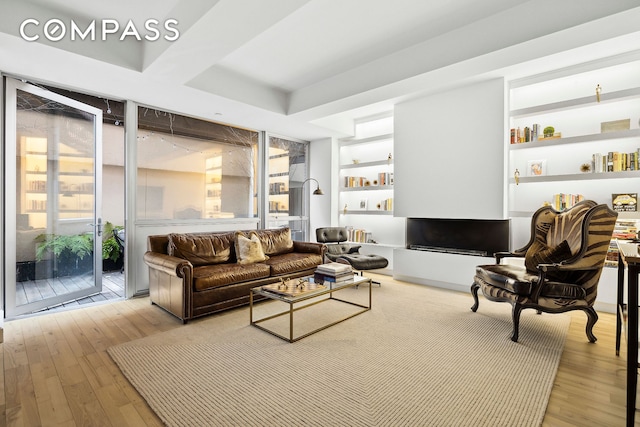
(53, 242)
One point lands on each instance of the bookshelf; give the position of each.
(593, 152)
(367, 188)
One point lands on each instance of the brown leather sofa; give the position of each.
(196, 274)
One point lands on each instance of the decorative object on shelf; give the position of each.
(615, 125)
(344, 210)
(375, 182)
(624, 202)
(548, 131)
(598, 90)
(537, 167)
(356, 161)
(367, 183)
(389, 159)
(535, 130)
(516, 176)
(363, 204)
(585, 167)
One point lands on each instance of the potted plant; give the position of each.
(72, 252)
(112, 256)
(548, 131)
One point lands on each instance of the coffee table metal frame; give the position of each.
(330, 290)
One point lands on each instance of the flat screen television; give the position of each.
(481, 237)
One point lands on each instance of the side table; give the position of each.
(629, 257)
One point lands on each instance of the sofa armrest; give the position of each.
(171, 265)
(309, 247)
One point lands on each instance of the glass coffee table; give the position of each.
(296, 291)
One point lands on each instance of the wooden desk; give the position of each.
(629, 257)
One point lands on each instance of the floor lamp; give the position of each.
(317, 192)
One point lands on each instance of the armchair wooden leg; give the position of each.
(592, 318)
(517, 309)
(474, 292)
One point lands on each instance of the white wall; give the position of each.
(449, 154)
(449, 163)
(323, 167)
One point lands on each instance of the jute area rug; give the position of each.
(420, 357)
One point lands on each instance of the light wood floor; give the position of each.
(56, 370)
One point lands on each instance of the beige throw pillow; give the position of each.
(249, 250)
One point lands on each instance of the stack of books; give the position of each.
(333, 273)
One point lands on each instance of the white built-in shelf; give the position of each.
(381, 245)
(384, 162)
(576, 102)
(368, 188)
(587, 176)
(576, 139)
(369, 140)
(363, 212)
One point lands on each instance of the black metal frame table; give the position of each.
(292, 300)
(629, 257)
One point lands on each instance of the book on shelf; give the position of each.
(614, 161)
(386, 204)
(562, 201)
(355, 181)
(626, 229)
(385, 178)
(358, 235)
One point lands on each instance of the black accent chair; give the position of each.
(563, 261)
(119, 236)
(346, 253)
(334, 238)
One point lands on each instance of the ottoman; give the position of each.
(362, 262)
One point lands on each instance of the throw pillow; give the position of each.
(201, 249)
(249, 250)
(539, 253)
(276, 241)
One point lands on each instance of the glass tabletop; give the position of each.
(303, 288)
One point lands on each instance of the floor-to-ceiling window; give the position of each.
(287, 171)
(194, 169)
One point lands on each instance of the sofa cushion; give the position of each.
(293, 262)
(513, 278)
(201, 249)
(249, 249)
(216, 275)
(276, 241)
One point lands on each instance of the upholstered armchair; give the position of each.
(334, 237)
(563, 261)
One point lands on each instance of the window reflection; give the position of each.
(287, 163)
(194, 169)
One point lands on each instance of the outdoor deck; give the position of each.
(36, 290)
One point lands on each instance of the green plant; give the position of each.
(64, 247)
(548, 131)
(110, 247)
